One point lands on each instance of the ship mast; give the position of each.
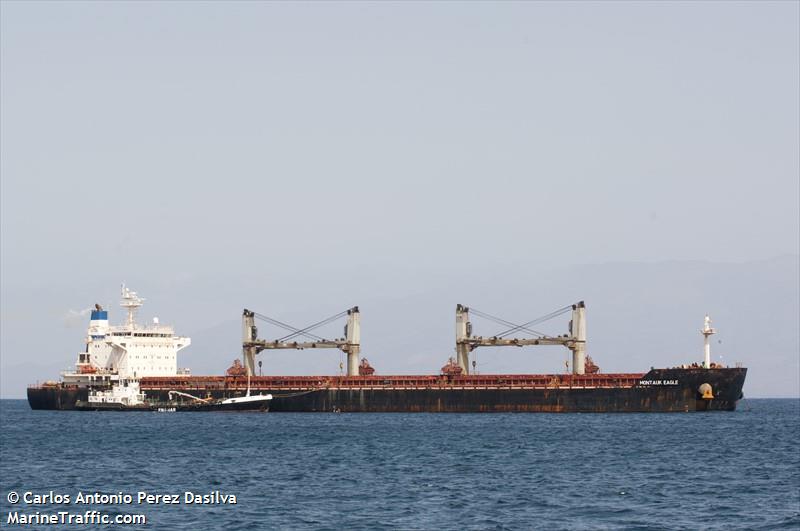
(131, 302)
(707, 332)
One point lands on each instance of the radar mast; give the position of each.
(131, 302)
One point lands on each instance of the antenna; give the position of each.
(132, 302)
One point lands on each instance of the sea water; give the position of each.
(718, 470)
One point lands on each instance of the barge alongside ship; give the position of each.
(139, 364)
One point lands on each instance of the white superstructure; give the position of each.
(129, 351)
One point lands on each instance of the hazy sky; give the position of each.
(300, 146)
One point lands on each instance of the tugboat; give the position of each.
(123, 395)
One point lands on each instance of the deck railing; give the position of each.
(521, 381)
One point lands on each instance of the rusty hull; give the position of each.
(660, 390)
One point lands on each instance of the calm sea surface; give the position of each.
(417, 471)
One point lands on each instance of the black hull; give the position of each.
(56, 397)
(660, 390)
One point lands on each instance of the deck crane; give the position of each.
(575, 340)
(350, 344)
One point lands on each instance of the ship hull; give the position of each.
(82, 405)
(660, 390)
(261, 406)
(56, 397)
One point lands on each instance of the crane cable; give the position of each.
(315, 325)
(515, 327)
(286, 326)
(503, 321)
(538, 320)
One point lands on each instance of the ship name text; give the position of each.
(658, 382)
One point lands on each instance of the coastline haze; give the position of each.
(298, 159)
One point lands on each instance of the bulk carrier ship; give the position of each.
(134, 368)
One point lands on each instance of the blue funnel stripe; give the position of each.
(99, 315)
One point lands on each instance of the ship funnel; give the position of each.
(99, 315)
(98, 322)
